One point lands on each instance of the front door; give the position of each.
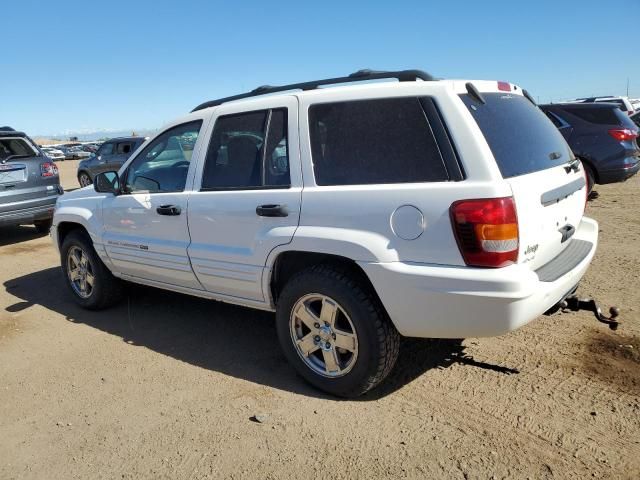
(246, 198)
(145, 228)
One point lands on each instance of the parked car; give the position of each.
(110, 156)
(53, 153)
(601, 136)
(78, 152)
(635, 118)
(358, 214)
(29, 182)
(622, 102)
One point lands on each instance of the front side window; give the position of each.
(377, 141)
(248, 150)
(163, 165)
(105, 149)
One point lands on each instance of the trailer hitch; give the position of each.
(574, 304)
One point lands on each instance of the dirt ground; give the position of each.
(164, 385)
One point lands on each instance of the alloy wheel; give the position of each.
(80, 272)
(323, 335)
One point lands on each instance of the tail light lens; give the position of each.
(504, 86)
(623, 134)
(48, 169)
(486, 231)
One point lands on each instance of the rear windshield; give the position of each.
(523, 140)
(14, 148)
(601, 116)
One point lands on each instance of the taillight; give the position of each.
(486, 231)
(623, 134)
(48, 169)
(504, 86)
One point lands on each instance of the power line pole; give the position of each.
(627, 87)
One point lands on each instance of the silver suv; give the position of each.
(29, 182)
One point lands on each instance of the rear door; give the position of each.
(121, 152)
(535, 160)
(246, 199)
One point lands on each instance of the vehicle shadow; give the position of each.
(14, 234)
(233, 340)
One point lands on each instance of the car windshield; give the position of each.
(14, 147)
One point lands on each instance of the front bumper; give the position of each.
(436, 301)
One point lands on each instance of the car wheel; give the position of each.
(43, 226)
(591, 178)
(84, 179)
(90, 282)
(334, 331)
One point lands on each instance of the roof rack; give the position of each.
(359, 76)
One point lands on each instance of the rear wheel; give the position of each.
(591, 178)
(91, 283)
(334, 332)
(84, 179)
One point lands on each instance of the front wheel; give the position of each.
(43, 226)
(334, 332)
(90, 282)
(84, 179)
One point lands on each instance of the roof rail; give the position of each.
(359, 76)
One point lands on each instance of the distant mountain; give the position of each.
(100, 134)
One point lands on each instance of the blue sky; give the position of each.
(73, 66)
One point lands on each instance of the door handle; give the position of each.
(170, 210)
(272, 211)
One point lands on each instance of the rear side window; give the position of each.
(374, 142)
(521, 137)
(124, 147)
(248, 151)
(600, 116)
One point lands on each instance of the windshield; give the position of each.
(14, 147)
(523, 140)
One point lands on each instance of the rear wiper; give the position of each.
(15, 156)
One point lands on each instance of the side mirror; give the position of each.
(107, 182)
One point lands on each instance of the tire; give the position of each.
(43, 226)
(368, 358)
(591, 178)
(106, 289)
(84, 179)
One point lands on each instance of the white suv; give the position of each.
(357, 213)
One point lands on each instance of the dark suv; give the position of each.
(602, 136)
(110, 157)
(29, 182)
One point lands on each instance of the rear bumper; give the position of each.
(27, 216)
(28, 212)
(619, 174)
(458, 302)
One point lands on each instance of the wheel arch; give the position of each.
(288, 263)
(589, 163)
